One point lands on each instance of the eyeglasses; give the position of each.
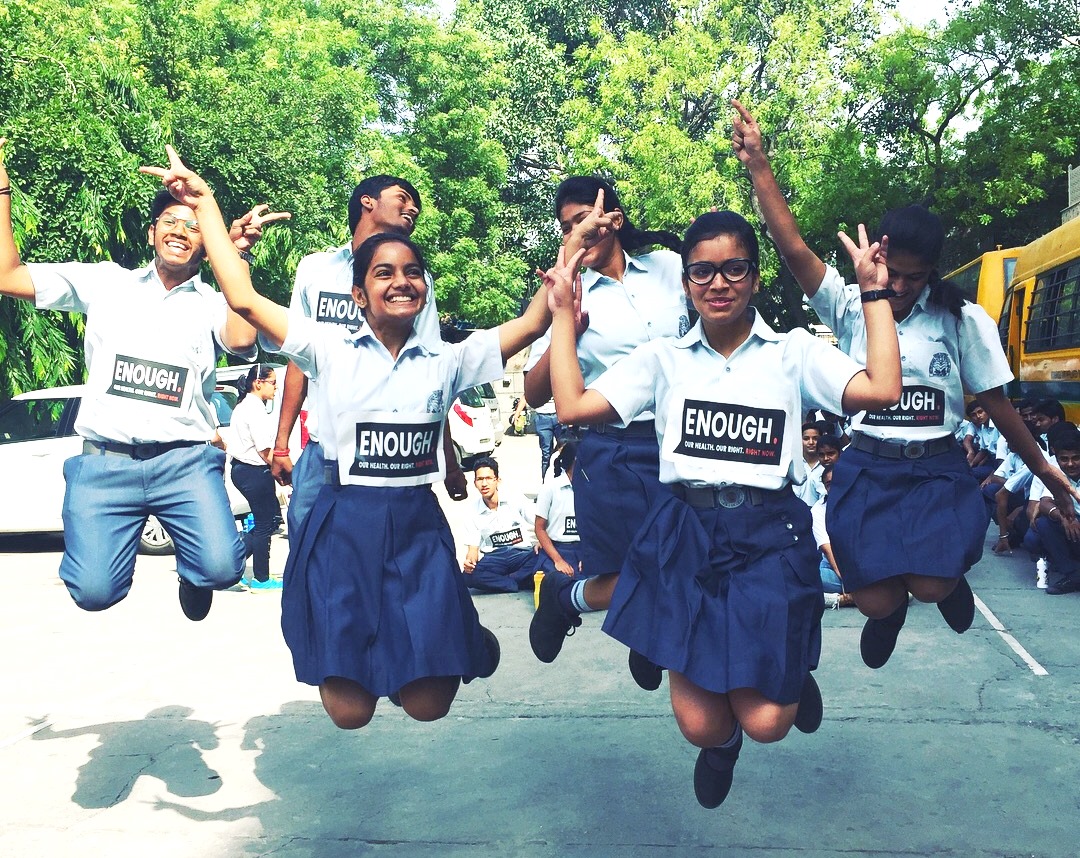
(168, 221)
(733, 270)
(272, 381)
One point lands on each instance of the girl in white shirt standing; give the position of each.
(253, 431)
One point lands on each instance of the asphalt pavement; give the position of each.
(136, 732)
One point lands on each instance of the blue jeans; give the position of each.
(549, 431)
(307, 479)
(830, 581)
(106, 504)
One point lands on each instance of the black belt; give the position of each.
(639, 429)
(136, 451)
(728, 497)
(901, 450)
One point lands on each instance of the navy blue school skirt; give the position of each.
(616, 483)
(889, 517)
(373, 592)
(571, 552)
(730, 598)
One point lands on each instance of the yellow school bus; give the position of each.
(984, 279)
(1040, 319)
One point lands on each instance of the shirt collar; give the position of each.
(424, 342)
(589, 277)
(149, 274)
(759, 328)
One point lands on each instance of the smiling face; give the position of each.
(178, 247)
(721, 303)
(908, 276)
(1069, 462)
(394, 290)
(393, 210)
(809, 443)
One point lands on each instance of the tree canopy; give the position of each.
(486, 109)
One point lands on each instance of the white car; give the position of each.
(471, 428)
(37, 435)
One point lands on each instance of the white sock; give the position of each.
(577, 597)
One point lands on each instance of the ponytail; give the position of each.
(258, 372)
(946, 295)
(583, 190)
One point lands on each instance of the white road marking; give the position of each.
(1013, 643)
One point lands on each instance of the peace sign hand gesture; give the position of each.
(247, 230)
(186, 186)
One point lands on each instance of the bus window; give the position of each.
(1054, 321)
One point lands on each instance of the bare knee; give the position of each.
(763, 720)
(349, 706)
(429, 699)
(704, 717)
(765, 731)
(931, 589)
(881, 599)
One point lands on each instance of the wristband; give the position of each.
(282, 453)
(247, 257)
(1050, 512)
(877, 295)
(5, 191)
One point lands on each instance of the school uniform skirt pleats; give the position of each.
(889, 517)
(616, 483)
(730, 598)
(373, 592)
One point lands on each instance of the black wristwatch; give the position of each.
(247, 257)
(873, 295)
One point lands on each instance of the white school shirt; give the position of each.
(383, 418)
(1011, 463)
(966, 428)
(940, 357)
(509, 525)
(987, 437)
(322, 290)
(735, 420)
(817, 519)
(555, 504)
(647, 305)
(1039, 490)
(811, 490)
(253, 429)
(150, 351)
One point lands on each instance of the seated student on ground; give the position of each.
(810, 491)
(1006, 505)
(556, 518)
(829, 448)
(831, 581)
(980, 444)
(1032, 539)
(501, 555)
(1060, 536)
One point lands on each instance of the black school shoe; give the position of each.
(1063, 587)
(811, 710)
(958, 608)
(714, 772)
(494, 655)
(550, 624)
(195, 601)
(879, 637)
(646, 674)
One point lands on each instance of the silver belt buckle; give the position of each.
(730, 497)
(914, 450)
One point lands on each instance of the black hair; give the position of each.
(969, 409)
(162, 200)
(258, 372)
(830, 441)
(1063, 437)
(811, 424)
(1049, 408)
(918, 231)
(373, 186)
(1026, 402)
(365, 253)
(827, 427)
(825, 471)
(583, 190)
(564, 461)
(713, 224)
(485, 462)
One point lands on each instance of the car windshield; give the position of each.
(224, 400)
(486, 390)
(31, 419)
(472, 398)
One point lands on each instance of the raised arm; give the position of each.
(879, 385)
(573, 403)
(746, 141)
(230, 270)
(15, 279)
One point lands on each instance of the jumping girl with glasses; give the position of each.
(905, 515)
(253, 430)
(373, 604)
(721, 585)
